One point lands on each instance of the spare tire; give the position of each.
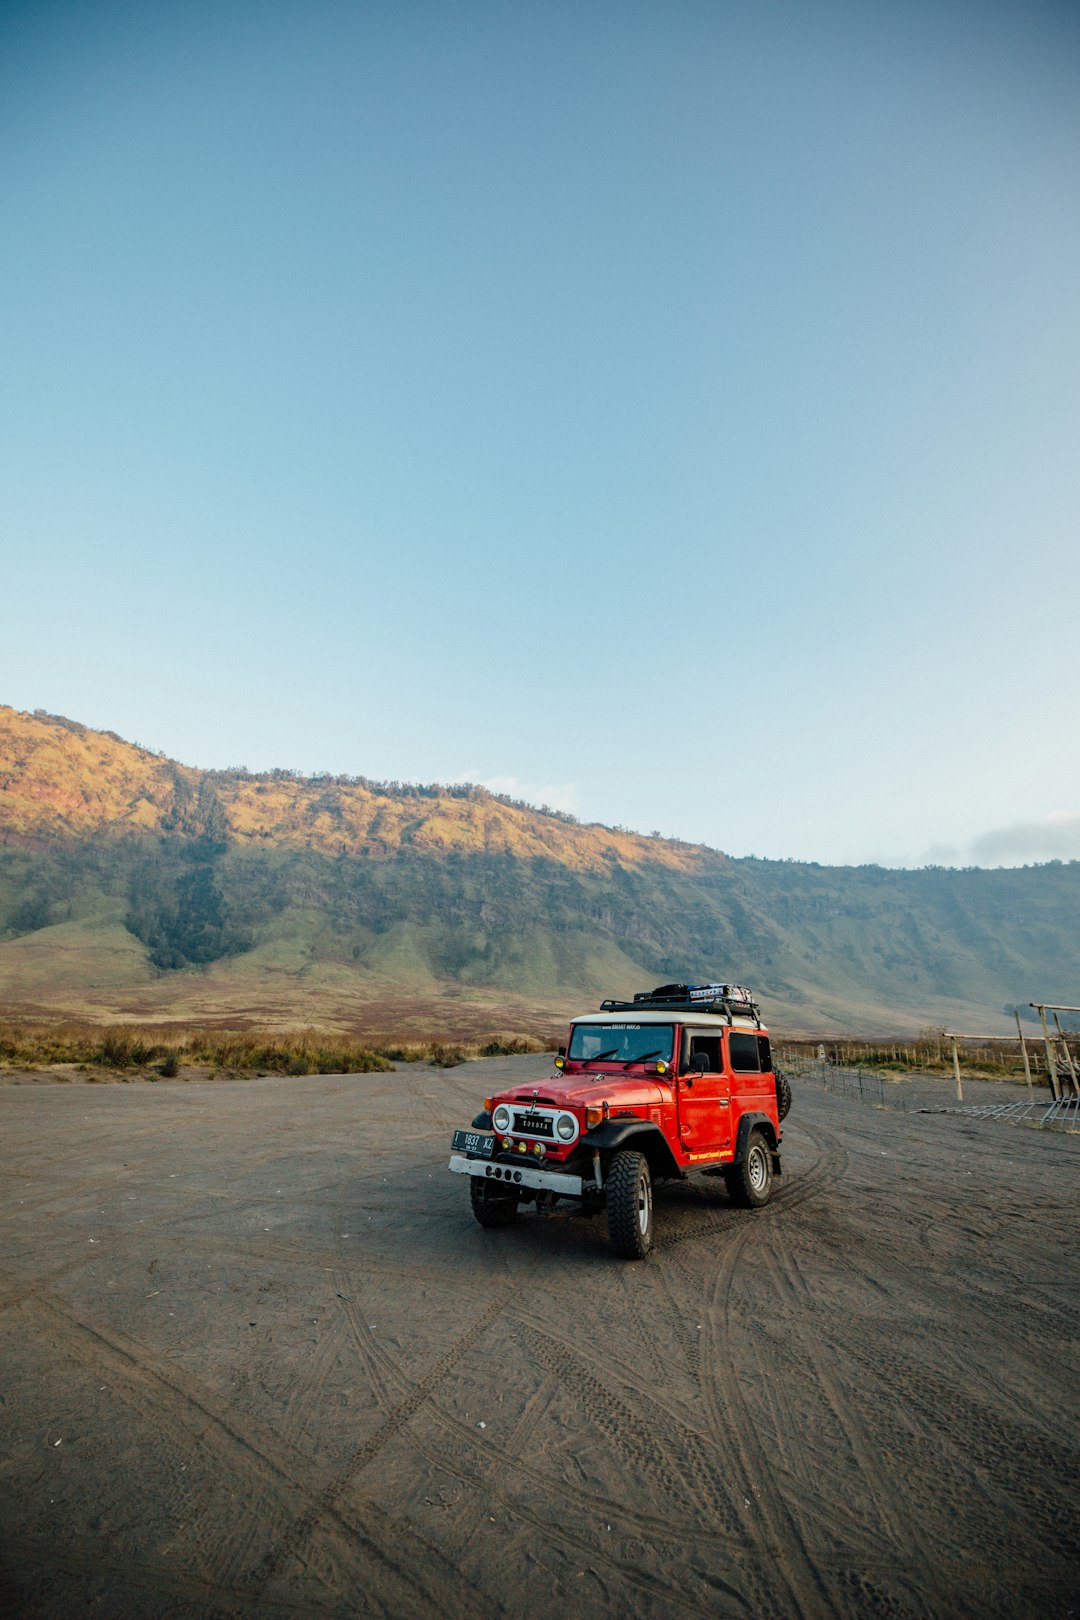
(783, 1094)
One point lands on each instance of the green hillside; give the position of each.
(474, 914)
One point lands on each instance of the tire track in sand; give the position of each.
(874, 1520)
(179, 1410)
(804, 1593)
(474, 1464)
(326, 1503)
(453, 1446)
(268, 1482)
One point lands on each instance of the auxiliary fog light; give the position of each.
(522, 1147)
(539, 1150)
(506, 1144)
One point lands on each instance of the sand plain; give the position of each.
(257, 1358)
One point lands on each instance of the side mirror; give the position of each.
(562, 1051)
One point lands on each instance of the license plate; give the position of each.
(534, 1124)
(481, 1144)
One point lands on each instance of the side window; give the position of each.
(700, 1043)
(744, 1052)
(764, 1055)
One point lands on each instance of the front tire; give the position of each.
(492, 1208)
(630, 1205)
(750, 1183)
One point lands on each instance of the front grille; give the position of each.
(534, 1125)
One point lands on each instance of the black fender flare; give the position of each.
(482, 1122)
(762, 1122)
(639, 1134)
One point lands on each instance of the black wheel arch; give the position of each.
(639, 1134)
(482, 1122)
(761, 1122)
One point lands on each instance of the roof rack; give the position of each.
(729, 1000)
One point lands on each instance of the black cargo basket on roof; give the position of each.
(730, 1000)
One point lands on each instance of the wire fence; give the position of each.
(926, 1094)
(861, 1084)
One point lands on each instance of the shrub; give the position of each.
(446, 1057)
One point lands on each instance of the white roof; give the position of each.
(677, 1016)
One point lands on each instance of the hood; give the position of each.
(578, 1090)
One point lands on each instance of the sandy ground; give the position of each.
(257, 1358)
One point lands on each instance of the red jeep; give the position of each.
(676, 1082)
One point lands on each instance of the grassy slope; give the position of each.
(131, 887)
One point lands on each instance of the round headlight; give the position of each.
(501, 1118)
(566, 1127)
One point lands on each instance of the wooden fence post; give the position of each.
(1068, 1054)
(1051, 1066)
(1023, 1054)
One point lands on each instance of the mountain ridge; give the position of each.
(49, 763)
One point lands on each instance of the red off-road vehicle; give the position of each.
(676, 1082)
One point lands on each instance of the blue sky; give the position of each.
(669, 412)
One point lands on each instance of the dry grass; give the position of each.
(166, 1049)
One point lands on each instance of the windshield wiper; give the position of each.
(602, 1057)
(644, 1058)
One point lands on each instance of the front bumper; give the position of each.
(519, 1175)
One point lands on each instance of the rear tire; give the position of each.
(630, 1205)
(492, 1208)
(750, 1183)
(783, 1095)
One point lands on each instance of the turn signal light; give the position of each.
(487, 1105)
(593, 1116)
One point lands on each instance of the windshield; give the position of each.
(621, 1043)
